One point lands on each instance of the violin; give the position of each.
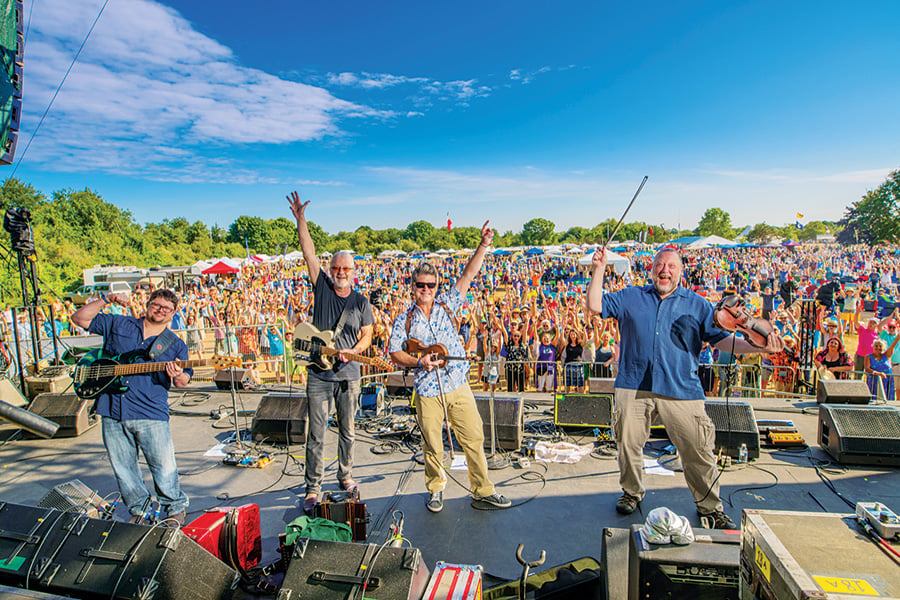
(733, 314)
(437, 351)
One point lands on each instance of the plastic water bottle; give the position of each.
(493, 375)
(742, 453)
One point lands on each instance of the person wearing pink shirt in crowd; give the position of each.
(867, 335)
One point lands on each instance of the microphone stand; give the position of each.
(237, 447)
(494, 461)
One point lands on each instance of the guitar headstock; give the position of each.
(220, 362)
(380, 363)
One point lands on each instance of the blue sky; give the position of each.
(386, 113)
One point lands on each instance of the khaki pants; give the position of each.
(690, 430)
(466, 424)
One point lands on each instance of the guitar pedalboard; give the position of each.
(251, 460)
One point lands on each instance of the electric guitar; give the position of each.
(97, 372)
(314, 347)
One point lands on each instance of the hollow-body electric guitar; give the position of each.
(98, 372)
(314, 347)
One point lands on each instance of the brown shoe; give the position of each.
(626, 504)
(175, 520)
(309, 504)
(349, 485)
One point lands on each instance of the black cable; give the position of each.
(753, 487)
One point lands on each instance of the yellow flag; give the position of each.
(799, 215)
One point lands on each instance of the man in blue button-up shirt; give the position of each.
(663, 327)
(138, 419)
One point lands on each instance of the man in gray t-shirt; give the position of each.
(334, 297)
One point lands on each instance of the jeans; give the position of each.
(122, 440)
(319, 395)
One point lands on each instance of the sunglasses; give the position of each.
(426, 284)
(341, 269)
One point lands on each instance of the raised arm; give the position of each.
(306, 243)
(595, 287)
(474, 265)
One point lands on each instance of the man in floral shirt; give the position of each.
(431, 320)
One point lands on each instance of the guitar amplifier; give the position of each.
(399, 384)
(707, 569)
(54, 380)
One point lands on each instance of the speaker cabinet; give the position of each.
(735, 424)
(601, 385)
(509, 419)
(324, 570)
(73, 414)
(842, 391)
(583, 410)
(68, 553)
(280, 419)
(860, 435)
(222, 379)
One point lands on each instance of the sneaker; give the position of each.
(496, 500)
(626, 504)
(435, 502)
(717, 520)
(349, 485)
(309, 503)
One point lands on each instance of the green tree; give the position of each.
(762, 233)
(251, 232)
(538, 232)
(602, 231)
(282, 233)
(715, 221)
(466, 237)
(576, 235)
(418, 231)
(813, 229)
(874, 218)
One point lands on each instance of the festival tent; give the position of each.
(618, 262)
(221, 267)
(534, 251)
(575, 250)
(295, 255)
(501, 252)
(790, 244)
(709, 241)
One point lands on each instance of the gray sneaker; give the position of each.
(496, 500)
(435, 502)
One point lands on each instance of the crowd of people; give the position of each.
(524, 320)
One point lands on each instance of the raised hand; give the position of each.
(298, 207)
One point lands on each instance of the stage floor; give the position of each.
(559, 508)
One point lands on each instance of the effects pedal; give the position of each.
(786, 439)
(255, 461)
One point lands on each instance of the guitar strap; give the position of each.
(163, 342)
(352, 302)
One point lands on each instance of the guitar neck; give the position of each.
(137, 368)
(366, 360)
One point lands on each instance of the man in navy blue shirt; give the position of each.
(138, 419)
(663, 327)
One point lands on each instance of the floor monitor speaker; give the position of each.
(509, 418)
(735, 424)
(583, 410)
(860, 435)
(73, 414)
(842, 391)
(280, 419)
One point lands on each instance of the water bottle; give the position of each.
(742, 453)
(493, 375)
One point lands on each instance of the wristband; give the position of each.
(104, 298)
(419, 363)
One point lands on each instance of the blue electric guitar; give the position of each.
(98, 373)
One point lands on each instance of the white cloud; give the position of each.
(149, 94)
(525, 78)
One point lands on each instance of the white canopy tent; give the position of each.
(618, 262)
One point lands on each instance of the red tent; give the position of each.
(220, 268)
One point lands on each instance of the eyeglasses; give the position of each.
(341, 269)
(426, 284)
(161, 307)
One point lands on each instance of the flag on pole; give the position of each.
(650, 229)
(799, 225)
(799, 215)
(449, 222)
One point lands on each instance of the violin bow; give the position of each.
(619, 224)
